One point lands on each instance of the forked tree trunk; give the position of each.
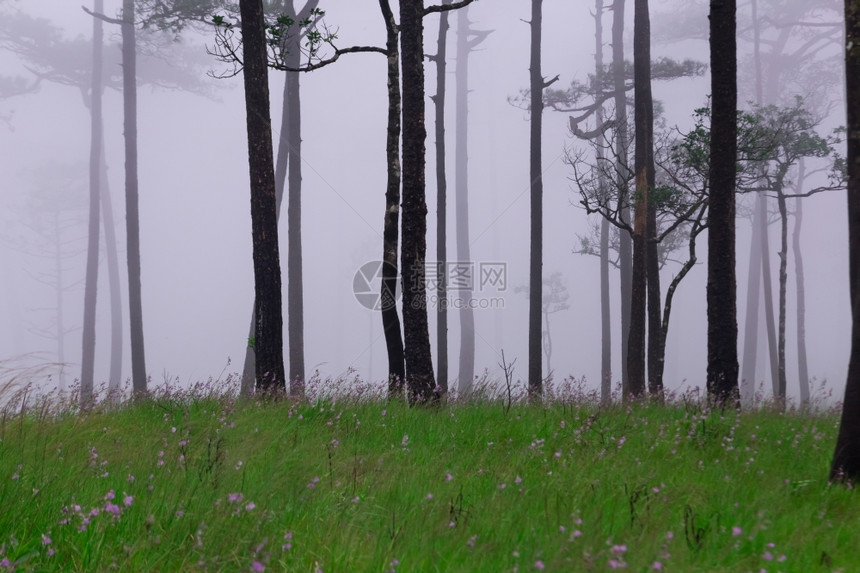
(268, 334)
(846, 458)
(132, 212)
(441, 206)
(419, 364)
(92, 271)
(722, 380)
(625, 244)
(388, 299)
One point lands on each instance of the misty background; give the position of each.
(197, 274)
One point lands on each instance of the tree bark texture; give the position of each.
(441, 206)
(268, 334)
(722, 373)
(625, 242)
(132, 211)
(390, 232)
(644, 172)
(846, 458)
(767, 285)
(536, 81)
(802, 365)
(92, 269)
(419, 364)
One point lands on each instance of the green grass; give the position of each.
(207, 483)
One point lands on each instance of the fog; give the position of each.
(197, 274)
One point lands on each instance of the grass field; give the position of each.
(202, 481)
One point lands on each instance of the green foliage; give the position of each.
(174, 484)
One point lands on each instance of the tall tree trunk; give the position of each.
(467, 40)
(268, 334)
(722, 378)
(388, 299)
(655, 321)
(537, 86)
(625, 243)
(605, 315)
(132, 212)
(61, 323)
(92, 272)
(767, 282)
(115, 379)
(802, 367)
(419, 363)
(441, 206)
(292, 59)
(846, 458)
(783, 281)
(748, 381)
(644, 169)
(295, 293)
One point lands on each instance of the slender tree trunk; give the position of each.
(768, 295)
(537, 86)
(132, 212)
(92, 272)
(721, 292)
(783, 281)
(644, 169)
(846, 458)
(655, 321)
(61, 323)
(115, 379)
(441, 206)
(748, 378)
(268, 337)
(802, 368)
(605, 315)
(295, 292)
(419, 363)
(625, 243)
(388, 299)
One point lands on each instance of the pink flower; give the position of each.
(250, 507)
(736, 531)
(258, 567)
(657, 566)
(539, 565)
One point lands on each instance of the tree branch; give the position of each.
(338, 52)
(447, 7)
(101, 16)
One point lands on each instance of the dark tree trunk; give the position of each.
(655, 321)
(846, 458)
(441, 206)
(115, 379)
(92, 272)
(625, 244)
(536, 87)
(768, 294)
(783, 283)
(644, 170)
(605, 315)
(132, 212)
(268, 334)
(388, 299)
(419, 363)
(802, 367)
(722, 374)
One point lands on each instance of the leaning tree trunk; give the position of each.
(802, 367)
(419, 363)
(722, 375)
(605, 315)
(644, 170)
(388, 299)
(268, 334)
(846, 458)
(537, 86)
(441, 206)
(92, 272)
(132, 212)
(625, 243)
(768, 295)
